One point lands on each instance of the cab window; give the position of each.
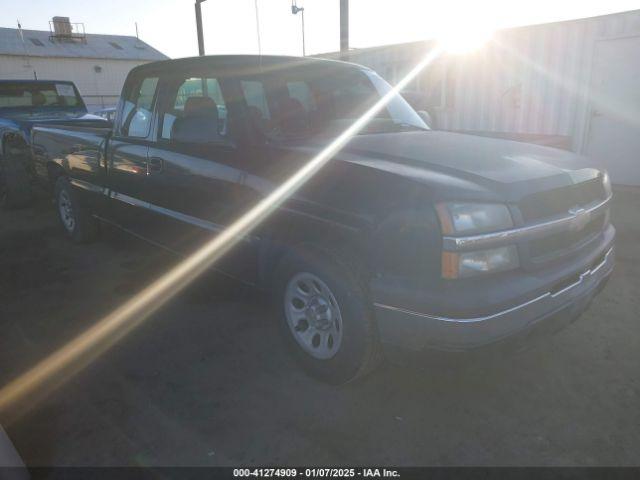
(301, 92)
(195, 109)
(138, 108)
(255, 97)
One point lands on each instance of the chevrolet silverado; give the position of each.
(408, 240)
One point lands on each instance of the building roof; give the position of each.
(39, 43)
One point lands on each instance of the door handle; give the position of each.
(155, 165)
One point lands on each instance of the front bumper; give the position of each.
(407, 329)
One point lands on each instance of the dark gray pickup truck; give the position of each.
(408, 240)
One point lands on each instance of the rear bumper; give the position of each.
(550, 310)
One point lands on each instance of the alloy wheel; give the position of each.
(313, 316)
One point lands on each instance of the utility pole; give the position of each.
(344, 29)
(199, 27)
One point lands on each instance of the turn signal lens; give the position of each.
(450, 262)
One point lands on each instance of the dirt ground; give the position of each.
(206, 381)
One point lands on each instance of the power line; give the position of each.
(255, 2)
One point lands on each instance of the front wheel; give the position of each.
(326, 318)
(76, 222)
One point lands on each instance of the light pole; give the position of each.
(295, 9)
(199, 27)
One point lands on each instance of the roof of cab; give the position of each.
(248, 62)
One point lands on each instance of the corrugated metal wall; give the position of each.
(98, 89)
(529, 80)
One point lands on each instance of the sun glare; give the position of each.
(464, 41)
(460, 35)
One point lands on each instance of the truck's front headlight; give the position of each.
(472, 218)
(457, 218)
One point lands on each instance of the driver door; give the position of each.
(128, 157)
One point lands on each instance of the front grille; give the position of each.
(560, 242)
(543, 206)
(540, 206)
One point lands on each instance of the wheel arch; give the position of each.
(54, 170)
(13, 138)
(344, 246)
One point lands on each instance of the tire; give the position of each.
(15, 185)
(331, 330)
(76, 221)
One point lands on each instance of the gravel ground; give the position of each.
(206, 381)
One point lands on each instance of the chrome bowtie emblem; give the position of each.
(580, 218)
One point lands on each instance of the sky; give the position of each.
(230, 25)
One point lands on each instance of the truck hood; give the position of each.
(470, 163)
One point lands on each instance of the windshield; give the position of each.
(299, 102)
(38, 95)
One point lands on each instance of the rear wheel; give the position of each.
(76, 222)
(326, 318)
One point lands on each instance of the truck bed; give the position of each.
(79, 150)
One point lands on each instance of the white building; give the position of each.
(98, 64)
(573, 84)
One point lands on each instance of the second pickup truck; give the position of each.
(23, 103)
(407, 240)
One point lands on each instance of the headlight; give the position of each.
(458, 218)
(606, 184)
(468, 264)
(472, 218)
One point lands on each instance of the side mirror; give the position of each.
(426, 118)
